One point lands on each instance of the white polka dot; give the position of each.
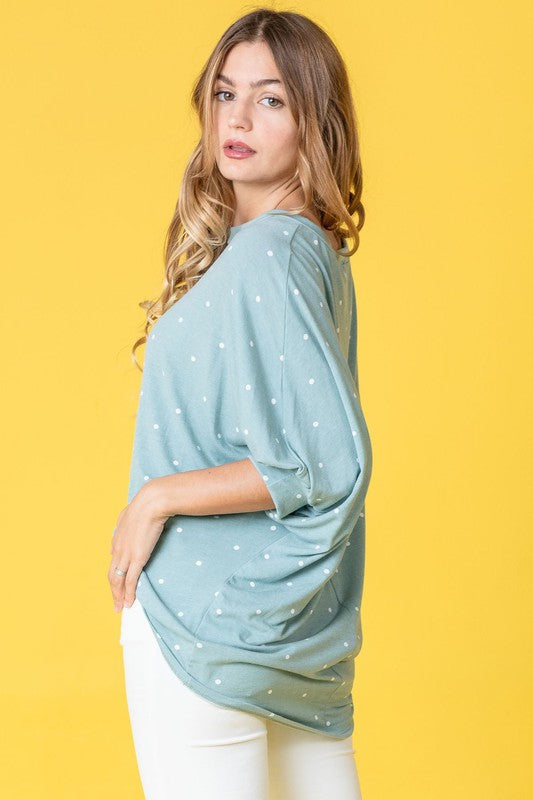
(219, 611)
(258, 298)
(292, 610)
(208, 303)
(267, 555)
(198, 563)
(301, 563)
(315, 424)
(252, 583)
(265, 478)
(236, 547)
(217, 680)
(178, 411)
(286, 233)
(346, 644)
(296, 291)
(273, 401)
(289, 583)
(311, 380)
(199, 644)
(193, 358)
(269, 691)
(287, 656)
(247, 387)
(306, 336)
(180, 613)
(204, 398)
(326, 570)
(161, 580)
(270, 253)
(221, 344)
(146, 477)
(156, 425)
(258, 611)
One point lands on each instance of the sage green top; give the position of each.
(261, 611)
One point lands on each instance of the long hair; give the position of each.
(328, 167)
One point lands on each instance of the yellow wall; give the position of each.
(96, 131)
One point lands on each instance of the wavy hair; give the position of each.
(328, 167)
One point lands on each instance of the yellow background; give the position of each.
(96, 131)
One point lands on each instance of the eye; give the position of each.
(221, 91)
(226, 91)
(273, 98)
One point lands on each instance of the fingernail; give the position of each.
(117, 608)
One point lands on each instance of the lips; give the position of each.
(238, 146)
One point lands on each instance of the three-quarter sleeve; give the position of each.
(297, 405)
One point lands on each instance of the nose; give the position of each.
(238, 116)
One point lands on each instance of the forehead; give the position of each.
(254, 84)
(250, 64)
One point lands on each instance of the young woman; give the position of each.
(238, 561)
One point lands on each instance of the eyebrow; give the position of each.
(253, 84)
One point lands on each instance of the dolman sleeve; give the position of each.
(298, 413)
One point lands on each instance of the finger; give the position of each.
(130, 585)
(116, 582)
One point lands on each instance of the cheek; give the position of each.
(284, 138)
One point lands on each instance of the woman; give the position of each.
(238, 561)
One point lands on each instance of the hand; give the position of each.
(139, 526)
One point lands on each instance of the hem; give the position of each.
(236, 703)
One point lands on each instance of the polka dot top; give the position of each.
(261, 611)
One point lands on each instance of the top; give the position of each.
(261, 611)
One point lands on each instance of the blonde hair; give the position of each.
(328, 162)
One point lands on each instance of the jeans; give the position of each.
(189, 748)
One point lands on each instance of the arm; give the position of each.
(227, 489)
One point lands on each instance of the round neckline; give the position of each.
(338, 253)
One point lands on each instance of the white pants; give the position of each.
(189, 748)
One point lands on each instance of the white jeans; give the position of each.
(189, 748)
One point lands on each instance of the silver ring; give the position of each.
(120, 571)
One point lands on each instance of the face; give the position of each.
(258, 116)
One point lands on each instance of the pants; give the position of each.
(189, 748)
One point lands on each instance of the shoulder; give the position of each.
(273, 241)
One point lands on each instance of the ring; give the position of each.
(120, 571)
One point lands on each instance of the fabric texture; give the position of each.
(261, 611)
(187, 746)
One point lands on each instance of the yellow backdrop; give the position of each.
(96, 130)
